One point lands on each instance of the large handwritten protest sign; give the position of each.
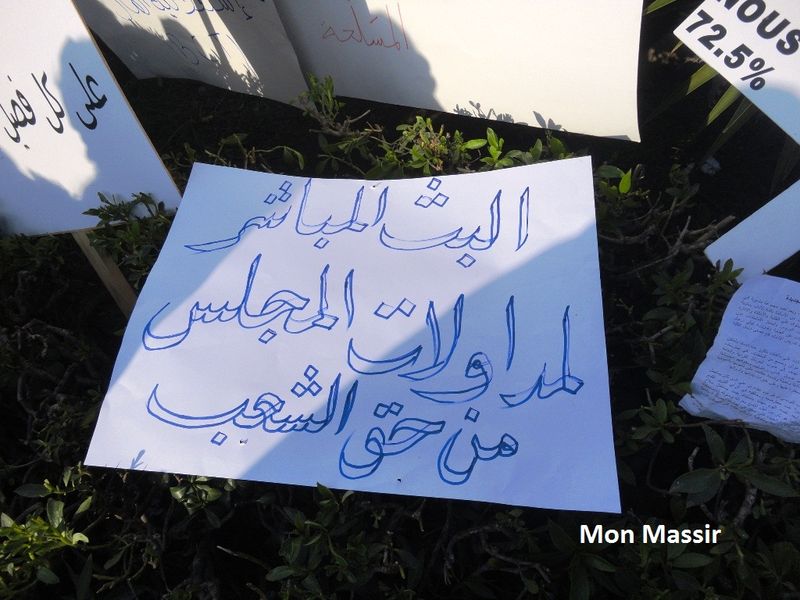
(528, 62)
(235, 44)
(440, 336)
(67, 131)
(754, 44)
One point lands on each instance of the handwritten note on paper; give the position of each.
(752, 372)
(239, 45)
(529, 62)
(763, 240)
(440, 336)
(66, 131)
(755, 45)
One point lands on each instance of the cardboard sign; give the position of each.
(67, 132)
(755, 45)
(436, 337)
(238, 45)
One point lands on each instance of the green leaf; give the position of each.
(114, 559)
(46, 576)
(55, 512)
(536, 150)
(560, 538)
(599, 563)
(715, 444)
(557, 147)
(657, 5)
(579, 588)
(83, 585)
(724, 103)
(609, 172)
(740, 454)
(6, 521)
(474, 144)
(625, 182)
(744, 112)
(32, 490)
(84, 506)
(279, 573)
(79, 537)
(700, 77)
(770, 485)
(692, 560)
(660, 313)
(699, 480)
(491, 137)
(660, 410)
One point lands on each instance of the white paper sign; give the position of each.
(755, 45)
(561, 64)
(752, 373)
(239, 45)
(436, 337)
(67, 132)
(763, 240)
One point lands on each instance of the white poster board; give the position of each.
(764, 239)
(755, 45)
(435, 337)
(752, 372)
(238, 45)
(66, 131)
(562, 64)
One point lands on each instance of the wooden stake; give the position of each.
(109, 273)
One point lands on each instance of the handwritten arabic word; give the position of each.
(175, 8)
(371, 31)
(267, 412)
(283, 303)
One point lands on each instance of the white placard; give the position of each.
(763, 240)
(436, 337)
(752, 372)
(67, 132)
(239, 45)
(755, 45)
(560, 64)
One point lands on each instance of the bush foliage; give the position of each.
(69, 531)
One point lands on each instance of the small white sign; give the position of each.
(755, 45)
(66, 131)
(764, 239)
(752, 372)
(437, 337)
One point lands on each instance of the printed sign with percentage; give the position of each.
(755, 45)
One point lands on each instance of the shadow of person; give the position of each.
(232, 47)
(368, 52)
(76, 137)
